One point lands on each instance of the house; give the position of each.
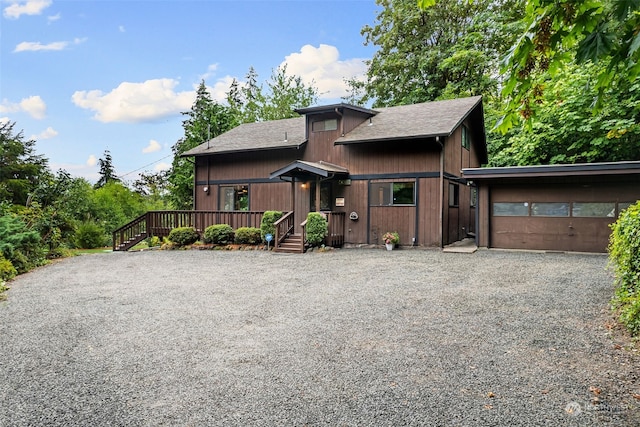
(374, 170)
(552, 207)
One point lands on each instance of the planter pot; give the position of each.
(389, 246)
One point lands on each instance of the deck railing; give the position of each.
(160, 224)
(284, 227)
(335, 236)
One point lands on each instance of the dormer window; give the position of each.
(324, 125)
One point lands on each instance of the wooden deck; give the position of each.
(160, 224)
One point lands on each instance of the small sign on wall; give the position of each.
(339, 201)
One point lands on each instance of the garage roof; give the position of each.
(577, 169)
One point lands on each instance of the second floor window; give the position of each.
(324, 125)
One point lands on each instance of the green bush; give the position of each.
(624, 260)
(219, 234)
(248, 236)
(90, 235)
(266, 225)
(183, 236)
(7, 270)
(20, 245)
(317, 228)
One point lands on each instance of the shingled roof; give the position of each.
(425, 120)
(274, 134)
(428, 119)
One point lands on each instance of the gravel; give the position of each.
(342, 338)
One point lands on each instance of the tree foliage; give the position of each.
(20, 168)
(107, 171)
(448, 50)
(560, 32)
(624, 260)
(284, 95)
(206, 119)
(566, 129)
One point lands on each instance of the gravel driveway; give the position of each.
(342, 338)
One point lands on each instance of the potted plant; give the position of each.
(391, 238)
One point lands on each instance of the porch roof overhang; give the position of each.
(305, 170)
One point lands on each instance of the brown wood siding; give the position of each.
(428, 212)
(244, 166)
(270, 196)
(566, 233)
(352, 119)
(392, 218)
(403, 156)
(355, 200)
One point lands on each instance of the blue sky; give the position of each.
(84, 76)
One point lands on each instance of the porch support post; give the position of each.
(293, 197)
(317, 194)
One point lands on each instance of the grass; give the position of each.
(91, 251)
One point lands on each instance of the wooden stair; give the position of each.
(292, 244)
(131, 242)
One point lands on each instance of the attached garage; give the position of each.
(556, 207)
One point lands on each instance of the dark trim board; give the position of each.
(367, 177)
(395, 175)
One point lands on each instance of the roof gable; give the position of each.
(424, 120)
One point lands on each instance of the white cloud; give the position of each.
(53, 18)
(122, 29)
(211, 71)
(28, 7)
(4, 120)
(152, 147)
(219, 90)
(162, 167)
(322, 67)
(92, 160)
(48, 133)
(136, 102)
(33, 105)
(37, 46)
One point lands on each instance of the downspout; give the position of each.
(337, 111)
(441, 210)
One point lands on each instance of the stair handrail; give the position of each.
(284, 227)
(122, 234)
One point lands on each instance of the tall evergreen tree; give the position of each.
(206, 119)
(107, 171)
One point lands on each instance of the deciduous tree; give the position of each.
(448, 50)
(20, 168)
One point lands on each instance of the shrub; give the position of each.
(183, 236)
(220, 234)
(266, 225)
(248, 235)
(90, 235)
(624, 260)
(7, 270)
(20, 245)
(317, 228)
(154, 241)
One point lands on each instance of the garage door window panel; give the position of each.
(593, 209)
(511, 209)
(550, 209)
